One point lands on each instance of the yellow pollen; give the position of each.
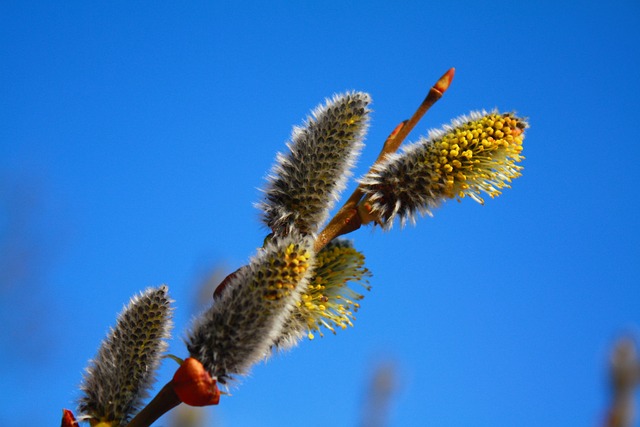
(480, 155)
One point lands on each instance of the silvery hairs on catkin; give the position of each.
(476, 154)
(305, 182)
(240, 327)
(119, 377)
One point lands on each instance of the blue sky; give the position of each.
(134, 138)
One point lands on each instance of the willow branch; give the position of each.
(348, 219)
(165, 400)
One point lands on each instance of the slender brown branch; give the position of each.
(165, 400)
(348, 218)
(435, 93)
(345, 221)
(390, 145)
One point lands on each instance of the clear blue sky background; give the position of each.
(134, 137)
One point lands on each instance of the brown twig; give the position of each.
(165, 400)
(348, 218)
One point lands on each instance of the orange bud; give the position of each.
(445, 81)
(193, 384)
(68, 420)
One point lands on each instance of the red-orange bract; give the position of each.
(193, 384)
(68, 420)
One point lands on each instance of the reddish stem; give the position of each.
(165, 400)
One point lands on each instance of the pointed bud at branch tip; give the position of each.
(400, 133)
(443, 84)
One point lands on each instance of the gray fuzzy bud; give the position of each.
(305, 182)
(242, 324)
(119, 377)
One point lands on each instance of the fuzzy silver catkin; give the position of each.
(118, 379)
(242, 324)
(476, 154)
(305, 182)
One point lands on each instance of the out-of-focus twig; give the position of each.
(625, 377)
(188, 416)
(381, 389)
(29, 243)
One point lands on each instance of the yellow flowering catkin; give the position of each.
(476, 154)
(328, 302)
